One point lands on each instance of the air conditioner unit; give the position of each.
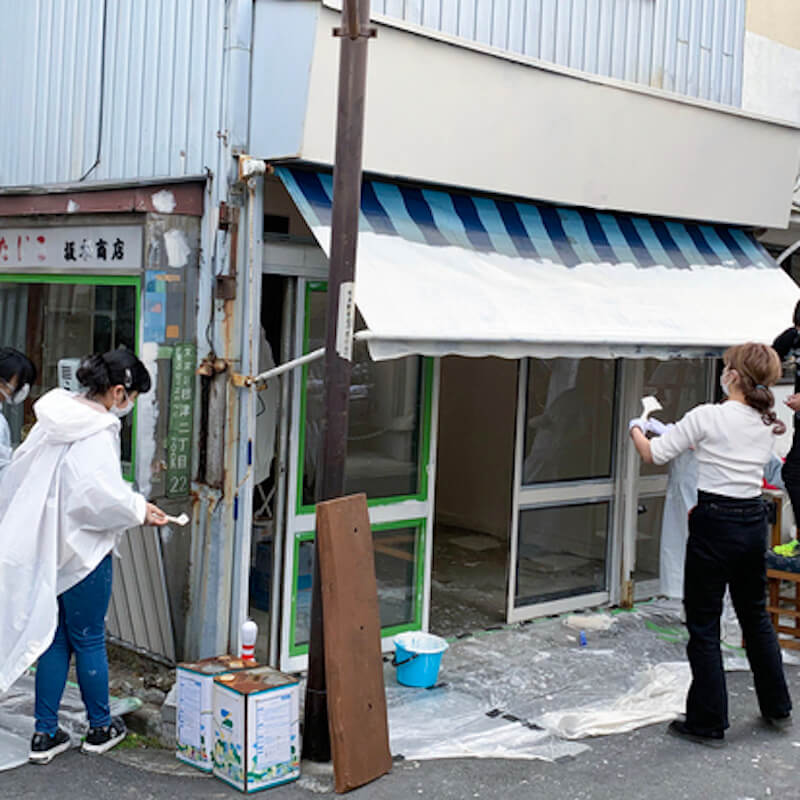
(68, 374)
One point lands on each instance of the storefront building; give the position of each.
(553, 225)
(85, 272)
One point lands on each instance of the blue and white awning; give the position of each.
(444, 272)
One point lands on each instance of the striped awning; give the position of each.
(448, 272)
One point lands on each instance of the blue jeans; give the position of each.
(81, 630)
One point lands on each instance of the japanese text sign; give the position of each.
(111, 247)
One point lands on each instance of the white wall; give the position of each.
(771, 84)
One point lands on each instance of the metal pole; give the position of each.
(355, 35)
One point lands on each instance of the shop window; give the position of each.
(51, 319)
(569, 420)
(396, 571)
(385, 420)
(561, 552)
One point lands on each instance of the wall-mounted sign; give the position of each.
(111, 247)
(181, 410)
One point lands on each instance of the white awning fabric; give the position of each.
(444, 273)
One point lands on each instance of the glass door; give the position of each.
(679, 385)
(388, 458)
(564, 486)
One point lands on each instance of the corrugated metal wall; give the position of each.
(139, 614)
(161, 78)
(692, 47)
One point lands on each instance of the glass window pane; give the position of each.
(648, 538)
(59, 320)
(384, 423)
(395, 572)
(679, 385)
(562, 552)
(569, 415)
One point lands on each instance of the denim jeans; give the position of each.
(726, 547)
(81, 630)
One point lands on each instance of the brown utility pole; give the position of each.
(355, 34)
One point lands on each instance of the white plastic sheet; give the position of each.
(17, 720)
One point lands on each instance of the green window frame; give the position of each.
(420, 525)
(128, 473)
(426, 415)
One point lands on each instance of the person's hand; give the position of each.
(155, 516)
(793, 401)
(637, 422)
(657, 427)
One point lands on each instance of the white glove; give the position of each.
(638, 422)
(657, 427)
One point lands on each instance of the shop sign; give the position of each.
(181, 407)
(110, 247)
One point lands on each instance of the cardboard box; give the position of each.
(256, 729)
(194, 726)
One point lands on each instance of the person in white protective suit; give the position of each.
(63, 505)
(17, 373)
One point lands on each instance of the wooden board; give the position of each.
(352, 632)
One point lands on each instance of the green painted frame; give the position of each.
(420, 523)
(425, 427)
(93, 280)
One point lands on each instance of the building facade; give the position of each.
(511, 146)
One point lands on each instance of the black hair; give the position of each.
(797, 315)
(98, 373)
(12, 363)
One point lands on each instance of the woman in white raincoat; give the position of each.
(63, 504)
(17, 373)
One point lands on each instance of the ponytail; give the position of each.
(758, 367)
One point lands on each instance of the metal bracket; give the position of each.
(225, 288)
(361, 33)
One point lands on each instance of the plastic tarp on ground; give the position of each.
(17, 721)
(530, 692)
(443, 272)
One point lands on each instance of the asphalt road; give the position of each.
(756, 763)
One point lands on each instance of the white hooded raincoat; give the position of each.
(63, 504)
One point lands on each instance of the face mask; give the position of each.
(20, 395)
(122, 411)
(724, 386)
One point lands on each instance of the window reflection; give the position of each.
(52, 321)
(562, 552)
(569, 419)
(384, 418)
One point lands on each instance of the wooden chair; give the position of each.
(786, 605)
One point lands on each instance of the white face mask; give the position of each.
(21, 395)
(122, 411)
(11, 396)
(724, 386)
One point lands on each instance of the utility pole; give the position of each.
(355, 34)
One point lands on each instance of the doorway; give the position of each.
(474, 479)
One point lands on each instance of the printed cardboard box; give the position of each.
(256, 729)
(194, 711)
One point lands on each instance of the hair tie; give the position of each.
(760, 386)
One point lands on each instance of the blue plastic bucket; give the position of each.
(417, 657)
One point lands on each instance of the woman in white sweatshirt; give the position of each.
(63, 505)
(727, 539)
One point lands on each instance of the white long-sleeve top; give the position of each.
(732, 444)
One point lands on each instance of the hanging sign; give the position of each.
(181, 407)
(111, 247)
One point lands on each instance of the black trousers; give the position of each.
(726, 547)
